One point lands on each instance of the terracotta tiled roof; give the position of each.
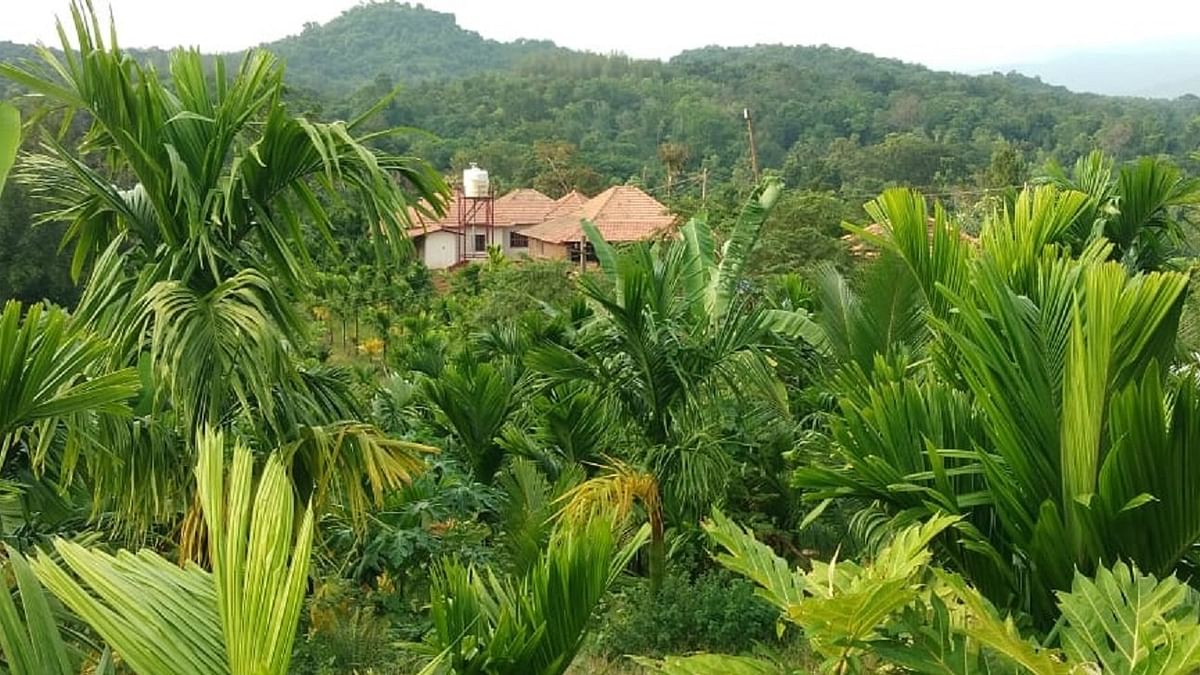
(523, 207)
(622, 213)
(567, 203)
(519, 207)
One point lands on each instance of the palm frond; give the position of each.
(30, 639)
(10, 139)
(51, 370)
(163, 618)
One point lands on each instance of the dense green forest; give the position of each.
(828, 121)
(924, 397)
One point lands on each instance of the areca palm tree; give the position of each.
(1041, 407)
(673, 332)
(1139, 208)
(534, 623)
(189, 205)
(161, 618)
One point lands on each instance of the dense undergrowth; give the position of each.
(267, 441)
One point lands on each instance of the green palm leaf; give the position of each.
(533, 624)
(52, 370)
(29, 638)
(10, 139)
(240, 619)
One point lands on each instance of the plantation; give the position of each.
(791, 435)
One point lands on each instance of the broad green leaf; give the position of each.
(10, 139)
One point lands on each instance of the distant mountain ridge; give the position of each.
(1156, 70)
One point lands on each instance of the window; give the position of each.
(573, 252)
(481, 242)
(517, 240)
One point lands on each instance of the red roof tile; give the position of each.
(523, 207)
(621, 213)
(519, 207)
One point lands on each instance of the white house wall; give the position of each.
(439, 250)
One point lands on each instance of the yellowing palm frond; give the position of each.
(615, 493)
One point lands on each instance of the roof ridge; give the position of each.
(611, 192)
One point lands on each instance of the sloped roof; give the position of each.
(525, 206)
(519, 207)
(567, 203)
(621, 213)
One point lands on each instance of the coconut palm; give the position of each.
(1041, 407)
(188, 206)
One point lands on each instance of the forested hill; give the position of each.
(828, 118)
(401, 41)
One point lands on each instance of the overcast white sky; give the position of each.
(950, 34)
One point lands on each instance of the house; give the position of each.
(471, 226)
(622, 214)
(526, 222)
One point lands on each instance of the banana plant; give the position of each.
(239, 619)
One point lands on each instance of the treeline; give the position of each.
(837, 125)
(829, 119)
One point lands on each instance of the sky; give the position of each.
(965, 35)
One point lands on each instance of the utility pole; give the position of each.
(704, 186)
(753, 148)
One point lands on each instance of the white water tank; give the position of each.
(475, 182)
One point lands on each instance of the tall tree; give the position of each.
(186, 207)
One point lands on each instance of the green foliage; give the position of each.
(1139, 210)
(712, 612)
(673, 332)
(187, 207)
(852, 614)
(428, 43)
(473, 401)
(533, 624)
(52, 371)
(240, 619)
(712, 664)
(30, 640)
(1038, 367)
(10, 139)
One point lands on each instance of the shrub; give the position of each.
(713, 612)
